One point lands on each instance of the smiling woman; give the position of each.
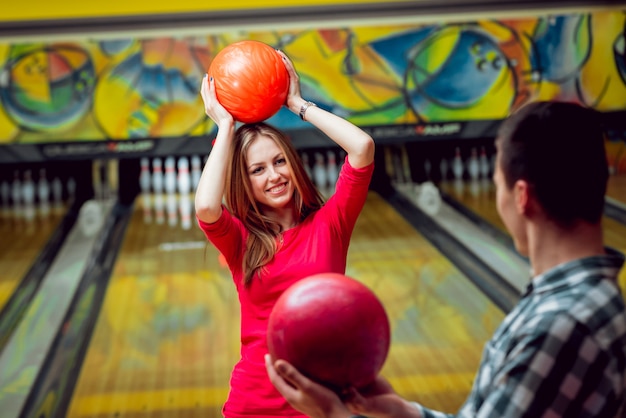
(258, 207)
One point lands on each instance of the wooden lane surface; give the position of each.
(439, 320)
(22, 241)
(479, 197)
(484, 205)
(168, 334)
(616, 187)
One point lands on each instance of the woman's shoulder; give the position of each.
(226, 222)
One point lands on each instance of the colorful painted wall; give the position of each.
(130, 88)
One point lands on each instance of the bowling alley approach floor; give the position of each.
(616, 188)
(167, 334)
(24, 240)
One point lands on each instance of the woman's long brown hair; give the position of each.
(263, 231)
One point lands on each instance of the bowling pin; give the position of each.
(43, 193)
(28, 196)
(457, 164)
(159, 208)
(475, 187)
(57, 194)
(196, 171)
(484, 163)
(169, 181)
(185, 210)
(184, 176)
(172, 209)
(146, 206)
(459, 186)
(320, 174)
(144, 175)
(332, 170)
(473, 165)
(16, 194)
(71, 188)
(28, 188)
(157, 175)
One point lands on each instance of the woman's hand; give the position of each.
(294, 97)
(212, 106)
(355, 141)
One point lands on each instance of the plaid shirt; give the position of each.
(561, 352)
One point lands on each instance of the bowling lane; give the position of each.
(478, 196)
(439, 320)
(481, 200)
(616, 188)
(25, 233)
(168, 333)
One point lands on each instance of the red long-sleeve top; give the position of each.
(319, 244)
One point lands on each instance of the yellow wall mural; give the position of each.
(389, 75)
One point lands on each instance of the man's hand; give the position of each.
(379, 400)
(303, 394)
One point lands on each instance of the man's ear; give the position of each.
(522, 195)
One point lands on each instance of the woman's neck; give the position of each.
(286, 217)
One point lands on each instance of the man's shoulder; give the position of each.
(595, 311)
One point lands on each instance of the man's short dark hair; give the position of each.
(558, 148)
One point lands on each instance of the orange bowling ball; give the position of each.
(332, 328)
(251, 80)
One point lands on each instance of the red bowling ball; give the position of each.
(332, 328)
(251, 80)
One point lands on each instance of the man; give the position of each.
(561, 352)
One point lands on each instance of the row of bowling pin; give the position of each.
(324, 170)
(174, 207)
(24, 196)
(477, 166)
(170, 175)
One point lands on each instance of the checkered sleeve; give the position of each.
(555, 368)
(532, 383)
